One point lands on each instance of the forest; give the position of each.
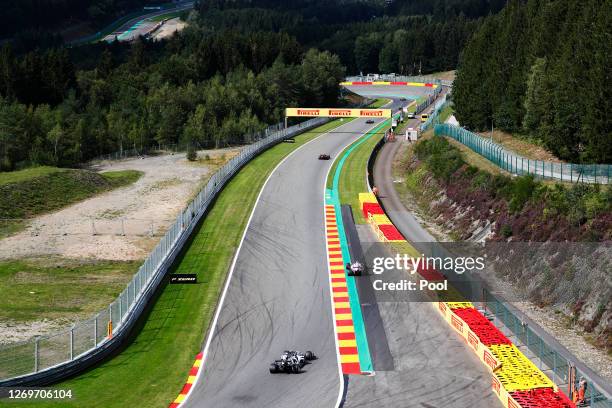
(542, 69)
(406, 36)
(26, 17)
(231, 72)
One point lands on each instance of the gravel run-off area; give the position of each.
(123, 224)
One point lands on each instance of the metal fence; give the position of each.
(52, 351)
(513, 163)
(433, 117)
(174, 147)
(548, 356)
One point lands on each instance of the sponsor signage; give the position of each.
(179, 278)
(338, 113)
(489, 360)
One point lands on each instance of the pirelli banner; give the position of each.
(338, 113)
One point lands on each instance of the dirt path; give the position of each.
(127, 222)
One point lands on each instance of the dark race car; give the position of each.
(292, 361)
(370, 121)
(324, 157)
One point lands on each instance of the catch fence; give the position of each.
(50, 352)
(550, 358)
(515, 164)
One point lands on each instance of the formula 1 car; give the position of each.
(370, 121)
(355, 268)
(291, 361)
(324, 157)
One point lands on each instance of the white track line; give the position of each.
(233, 266)
(331, 292)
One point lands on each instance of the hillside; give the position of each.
(542, 68)
(27, 193)
(471, 204)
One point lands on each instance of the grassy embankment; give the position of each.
(27, 193)
(527, 209)
(152, 369)
(353, 176)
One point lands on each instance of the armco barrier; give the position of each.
(48, 359)
(515, 164)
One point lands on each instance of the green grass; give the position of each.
(379, 102)
(152, 369)
(59, 288)
(445, 114)
(353, 175)
(27, 174)
(27, 193)
(376, 103)
(174, 14)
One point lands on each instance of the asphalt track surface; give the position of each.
(123, 33)
(278, 296)
(431, 366)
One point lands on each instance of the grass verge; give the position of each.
(521, 145)
(353, 176)
(445, 114)
(59, 288)
(152, 369)
(168, 16)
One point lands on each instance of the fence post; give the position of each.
(72, 343)
(36, 354)
(541, 352)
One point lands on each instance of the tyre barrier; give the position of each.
(384, 228)
(516, 380)
(371, 208)
(482, 327)
(517, 372)
(542, 397)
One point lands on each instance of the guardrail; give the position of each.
(50, 358)
(513, 163)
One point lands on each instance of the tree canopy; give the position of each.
(542, 68)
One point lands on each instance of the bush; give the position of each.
(192, 155)
(520, 192)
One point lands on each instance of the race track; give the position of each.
(278, 296)
(432, 368)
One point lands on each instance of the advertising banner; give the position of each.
(338, 113)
